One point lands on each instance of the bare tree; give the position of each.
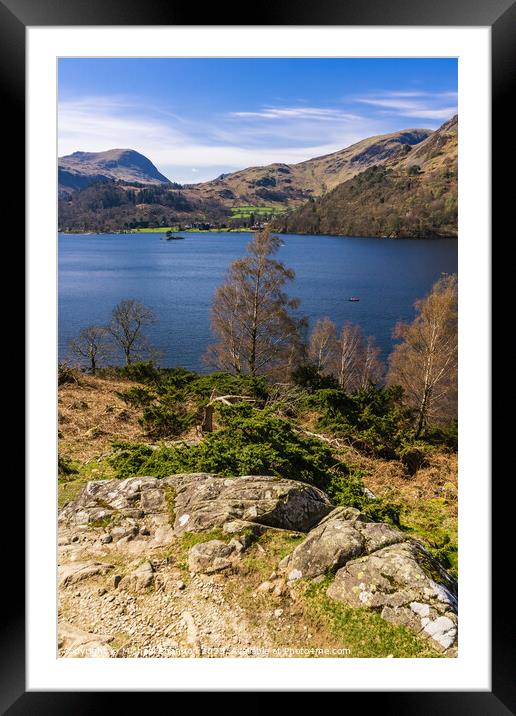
(348, 357)
(373, 369)
(128, 319)
(425, 362)
(322, 346)
(251, 316)
(92, 345)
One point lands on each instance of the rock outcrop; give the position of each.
(205, 501)
(214, 555)
(407, 586)
(341, 536)
(195, 502)
(375, 565)
(378, 568)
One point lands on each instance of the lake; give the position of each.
(177, 279)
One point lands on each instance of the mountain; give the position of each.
(412, 193)
(103, 191)
(286, 184)
(81, 169)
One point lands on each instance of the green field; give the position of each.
(244, 212)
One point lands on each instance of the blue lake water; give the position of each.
(177, 279)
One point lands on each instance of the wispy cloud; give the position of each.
(181, 148)
(319, 113)
(423, 105)
(190, 148)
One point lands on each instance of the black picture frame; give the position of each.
(500, 16)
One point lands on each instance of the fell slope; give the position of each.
(103, 192)
(413, 194)
(81, 169)
(293, 183)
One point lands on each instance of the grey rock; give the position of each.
(140, 579)
(76, 643)
(202, 501)
(205, 501)
(210, 557)
(407, 586)
(74, 572)
(342, 535)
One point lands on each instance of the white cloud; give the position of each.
(423, 105)
(206, 147)
(320, 113)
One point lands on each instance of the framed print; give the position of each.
(259, 328)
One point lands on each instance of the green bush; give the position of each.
(310, 378)
(446, 434)
(372, 419)
(136, 396)
(161, 421)
(141, 372)
(256, 442)
(349, 491)
(65, 467)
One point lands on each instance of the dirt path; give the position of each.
(180, 615)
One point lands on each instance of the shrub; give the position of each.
(66, 374)
(349, 492)
(161, 421)
(65, 467)
(136, 396)
(372, 419)
(255, 442)
(141, 372)
(310, 378)
(446, 434)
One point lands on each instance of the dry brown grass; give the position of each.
(91, 415)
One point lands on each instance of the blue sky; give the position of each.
(197, 118)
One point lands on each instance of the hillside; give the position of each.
(82, 169)
(104, 192)
(413, 194)
(275, 558)
(293, 183)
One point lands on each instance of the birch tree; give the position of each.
(252, 317)
(322, 346)
(424, 363)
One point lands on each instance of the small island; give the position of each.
(169, 236)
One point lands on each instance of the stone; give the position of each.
(76, 643)
(209, 557)
(407, 586)
(265, 587)
(77, 571)
(118, 533)
(140, 579)
(342, 535)
(205, 501)
(195, 502)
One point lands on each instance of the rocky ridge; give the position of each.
(116, 573)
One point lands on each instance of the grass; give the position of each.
(311, 619)
(91, 415)
(69, 487)
(363, 632)
(245, 211)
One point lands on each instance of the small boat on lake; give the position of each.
(353, 299)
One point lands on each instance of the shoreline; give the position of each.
(250, 231)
